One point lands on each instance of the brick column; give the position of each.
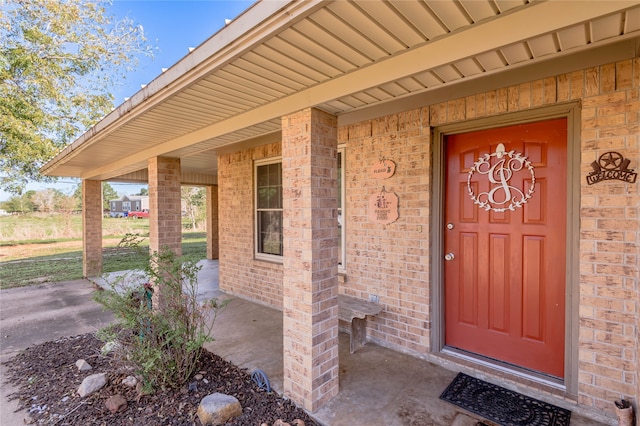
(212, 222)
(91, 228)
(165, 222)
(310, 283)
(165, 219)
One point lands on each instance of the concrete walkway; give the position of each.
(377, 386)
(37, 314)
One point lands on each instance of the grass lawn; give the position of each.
(48, 248)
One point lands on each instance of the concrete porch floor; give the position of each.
(378, 386)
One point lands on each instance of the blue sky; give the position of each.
(172, 26)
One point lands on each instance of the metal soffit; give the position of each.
(341, 57)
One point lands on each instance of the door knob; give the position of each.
(449, 226)
(449, 256)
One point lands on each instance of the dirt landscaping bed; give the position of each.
(47, 380)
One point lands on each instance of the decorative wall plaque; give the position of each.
(383, 169)
(611, 166)
(502, 196)
(383, 207)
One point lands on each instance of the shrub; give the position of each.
(161, 327)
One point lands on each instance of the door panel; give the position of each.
(505, 286)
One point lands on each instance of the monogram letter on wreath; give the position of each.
(500, 167)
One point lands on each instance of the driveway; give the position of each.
(37, 314)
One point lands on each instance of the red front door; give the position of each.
(505, 230)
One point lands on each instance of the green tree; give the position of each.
(108, 193)
(194, 204)
(58, 61)
(19, 203)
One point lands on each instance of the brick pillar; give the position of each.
(165, 221)
(212, 222)
(310, 284)
(91, 228)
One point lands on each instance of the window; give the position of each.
(268, 209)
(126, 206)
(341, 195)
(268, 186)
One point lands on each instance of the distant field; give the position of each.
(39, 248)
(37, 227)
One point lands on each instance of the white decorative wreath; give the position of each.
(500, 173)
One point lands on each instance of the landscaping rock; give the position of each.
(92, 383)
(83, 365)
(109, 347)
(130, 381)
(116, 403)
(218, 408)
(280, 422)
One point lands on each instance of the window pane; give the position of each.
(275, 174)
(339, 179)
(270, 232)
(340, 237)
(269, 191)
(262, 173)
(264, 195)
(275, 202)
(341, 218)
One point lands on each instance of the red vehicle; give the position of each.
(140, 214)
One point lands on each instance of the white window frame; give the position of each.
(342, 254)
(258, 255)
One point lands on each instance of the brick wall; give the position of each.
(392, 260)
(609, 237)
(240, 273)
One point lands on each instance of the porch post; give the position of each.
(310, 237)
(212, 222)
(91, 228)
(165, 225)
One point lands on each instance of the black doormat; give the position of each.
(500, 405)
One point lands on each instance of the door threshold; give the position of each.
(510, 371)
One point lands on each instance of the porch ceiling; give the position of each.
(342, 57)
